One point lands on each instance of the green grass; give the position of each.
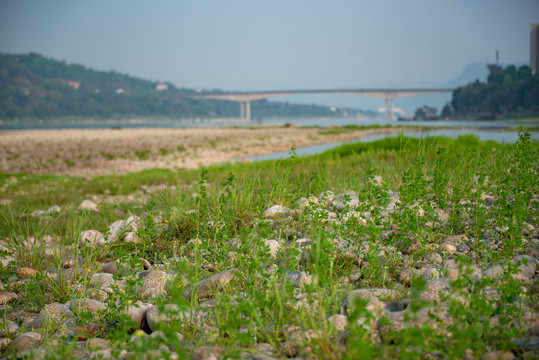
(223, 206)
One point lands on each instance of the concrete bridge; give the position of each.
(245, 98)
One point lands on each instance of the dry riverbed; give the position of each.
(105, 151)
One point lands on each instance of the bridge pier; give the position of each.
(245, 110)
(385, 109)
(392, 110)
(248, 110)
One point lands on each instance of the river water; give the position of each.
(237, 122)
(500, 136)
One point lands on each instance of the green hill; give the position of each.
(33, 86)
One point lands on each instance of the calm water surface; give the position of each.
(500, 136)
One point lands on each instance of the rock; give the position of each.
(6, 260)
(494, 272)
(406, 275)
(97, 343)
(273, 246)
(433, 258)
(34, 354)
(91, 238)
(430, 273)
(88, 205)
(132, 237)
(338, 322)
(101, 280)
(110, 267)
(87, 305)
(416, 319)
(455, 240)
(169, 312)
(7, 297)
(525, 344)
(25, 341)
(27, 273)
(264, 348)
(207, 286)
(344, 201)
(154, 284)
(55, 209)
(449, 248)
(51, 316)
(527, 266)
(300, 278)
(434, 288)
(498, 355)
(4, 344)
(276, 210)
(8, 328)
(373, 303)
(137, 313)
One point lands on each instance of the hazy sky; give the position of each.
(274, 44)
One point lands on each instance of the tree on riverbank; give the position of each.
(507, 91)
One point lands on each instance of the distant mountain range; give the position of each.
(33, 86)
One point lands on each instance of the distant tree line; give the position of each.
(507, 91)
(34, 86)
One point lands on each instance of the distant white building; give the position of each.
(120, 91)
(161, 86)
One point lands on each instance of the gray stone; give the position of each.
(132, 237)
(373, 303)
(97, 343)
(300, 278)
(8, 327)
(91, 238)
(434, 288)
(7, 297)
(273, 246)
(110, 267)
(275, 211)
(208, 286)
(154, 284)
(25, 341)
(87, 305)
(527, 266)
(88, 205)
(494, 272)
(416, 319)
(338, 322)
(4, 344)
(529, 343)
(433, 258)
(498, 355)
(137, 312)
(52, 315)
(170, 312)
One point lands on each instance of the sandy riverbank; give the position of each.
(106, 151)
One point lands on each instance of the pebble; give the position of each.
(154, 284)
(170, 312)
(433, 289)
(26, 340)
(338, 322)
(88, 205)
(91, 238)
(51, 316)
(7, 297)
(273, 246)
(208, 286)
(87, 305)
(4, 343)
(8, 328)
(276, 210)
(110, 267)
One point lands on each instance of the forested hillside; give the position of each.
(507, 91)
(32, 86)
